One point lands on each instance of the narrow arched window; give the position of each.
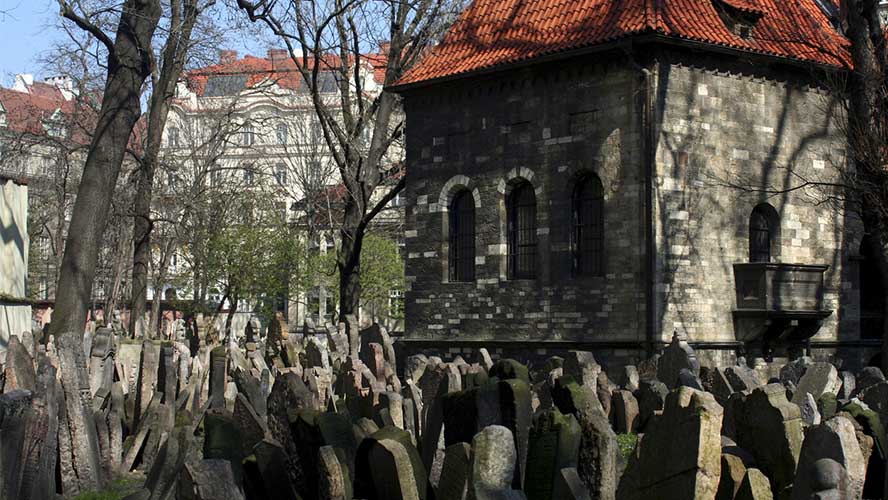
(762, 230)
(521, 229)
(588, 227)
(462, 237)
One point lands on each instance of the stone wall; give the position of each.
(722, 130)
(546, 124)
(15, 313)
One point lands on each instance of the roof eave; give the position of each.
(623, 42)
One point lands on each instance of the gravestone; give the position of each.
(677, 356)
(492, 464)
(770, 427)
(755, 486)
(455, 471)
(819, 378)
(625, 412)
(218, 376)
(553, 445)
(836, 440)
(334, 482)
(18, 372)
(149, 362)
(680, 455)
(388, 466)
(581, 365)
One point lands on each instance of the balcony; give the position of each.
(778, 302)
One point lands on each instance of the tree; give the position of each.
(361, 128)
(183, 17)
(129, 63)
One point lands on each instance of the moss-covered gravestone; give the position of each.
(554, 444)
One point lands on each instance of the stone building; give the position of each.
(602, 174)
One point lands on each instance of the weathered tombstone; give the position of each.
(818, 379)
(167, 374)
(625, 412)
(334, 482)
(209, 479)
(415, 365)
(733, 470)
(809, 413)
(570, 486)
(688, 379)
(651, 396)
(836, 440)
(484, 359)
(492, 464)
(647, 368)
(509, 369)
(581, 365)
(868, 376)
(271, 462)
(388, 466)
(597, 465)
(455, 471)
(252, 427)
(442, 379)
(507, 403)
(741, 378)
(849, 384)
(147, 381)
(793, 371)
(218, 376)
(755, 486)
(770, 427)
(554, 444)
(688, 433)
(677, 356)
(18, 371)
(630, 378)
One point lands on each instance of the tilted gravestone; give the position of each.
(388, 466)
(836, 440)
(680, 455)
(770, 427)
(455, 471)
(492, 464)
(554, 444)
(677, 356)
(819, 378)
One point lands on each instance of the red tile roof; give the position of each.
(28, 112)
(279, 69)
(492, 33)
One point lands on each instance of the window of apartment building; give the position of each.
(249, 174)
(215, 175)
(763, 226)
(248, 135)
(462, 237)
(280, 174)
(588, 227)
(521, 231)
(329, 306)
(283, 133)
(173, 137)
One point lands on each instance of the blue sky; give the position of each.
(25, 31)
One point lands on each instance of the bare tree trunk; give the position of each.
(165, 258)
(164, 87)
(129, 63)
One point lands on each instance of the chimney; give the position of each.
(23, 81)
(278, 55)
(227, 56)
(64, 84)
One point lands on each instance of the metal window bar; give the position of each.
(462, 238)
(522, 233)
(588, 228)
(759, 238)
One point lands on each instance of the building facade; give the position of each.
(634, 173)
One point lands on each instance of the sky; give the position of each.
(26, 30)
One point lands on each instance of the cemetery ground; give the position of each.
(276, 415)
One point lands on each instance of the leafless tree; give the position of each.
(129, 60)
(359, 127)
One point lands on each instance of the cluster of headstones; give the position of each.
(285, 416)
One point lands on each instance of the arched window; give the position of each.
(462, 237)
(521, 229)
(872, 293)
(763, 226)
(588, 227)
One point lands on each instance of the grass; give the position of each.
(116, 489)
(626, 442)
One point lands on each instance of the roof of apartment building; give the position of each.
(29, 106)
(232, 75)
(496, 33)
